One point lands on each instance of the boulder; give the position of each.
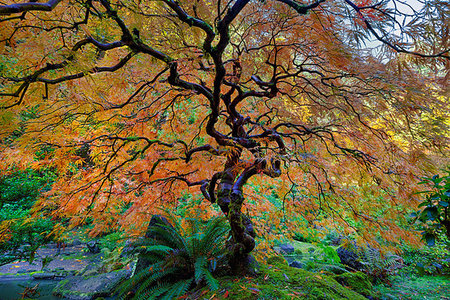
(350, 257)
(156, 221)
(76, 242)
(87, 288)
(358, 281)
(93, 247)
(287, 248)
(277, 260)
(297, 264)
(43, 276)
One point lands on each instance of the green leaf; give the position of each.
(424, 203)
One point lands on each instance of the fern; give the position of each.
(212, 283)
(178, 289)
(380, 267)
(151, 280)
(199, 268)
(178, 259)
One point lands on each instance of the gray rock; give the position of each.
(93, 247)
(350, 257)
(287, 248)
(42, 276)
(76, 242)
(297, 264)
(82, 288)
(156, 222)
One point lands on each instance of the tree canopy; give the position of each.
(137, 103)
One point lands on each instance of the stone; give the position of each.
(88, 288)
(93, 247)
(43, 276)
(127, 249)
(358, 281)
(287, 248)
(76, 242)
(350, 257)
(155, 221)
(297, 264)
(275, 260)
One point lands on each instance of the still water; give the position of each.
(12, 289)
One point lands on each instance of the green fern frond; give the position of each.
(178, 289)
(214, 236)
(212, 283)
(156, 292)
(200, 266)
(168, 236)
(151, 280)
(137, 278)
(174, 250)
(156, 248)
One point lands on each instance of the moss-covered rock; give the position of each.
(358, 281)
(276, 260)
(87, 288)
(279, 281)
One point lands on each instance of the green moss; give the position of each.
(279, 281)
(302, 247)
(359, 282)
(274, 260)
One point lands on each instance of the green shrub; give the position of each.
(21, 188)
(178, 259)
(20, 236)
(24, 238)
(429, 260)
(435, 216)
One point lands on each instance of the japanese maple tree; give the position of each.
(138, 102)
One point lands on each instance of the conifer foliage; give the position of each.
(136, 103)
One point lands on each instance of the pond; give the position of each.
(13, 289)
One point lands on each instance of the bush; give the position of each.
(429, 260)
(20, 236)
(435, 216)
(21, 188)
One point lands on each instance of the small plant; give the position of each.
(380, 268)
(178, 259)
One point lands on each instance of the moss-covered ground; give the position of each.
(276, 280)
(415, 288)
